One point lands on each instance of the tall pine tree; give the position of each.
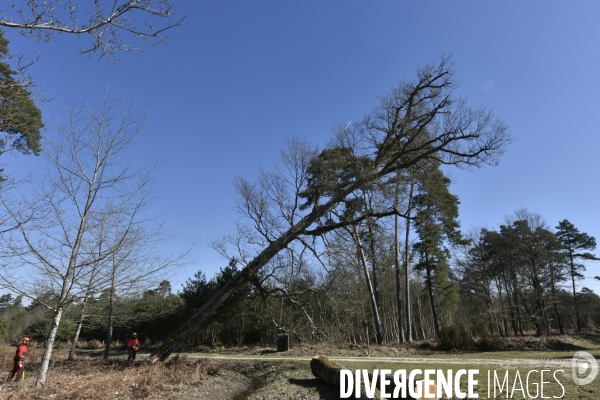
(575, 244)
(436, 224)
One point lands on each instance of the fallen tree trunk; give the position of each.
(420, 122)
(329, 372)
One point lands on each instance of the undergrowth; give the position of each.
(93, 378)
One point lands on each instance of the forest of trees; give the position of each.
(387, 262)
(353, 242)
(515, 280)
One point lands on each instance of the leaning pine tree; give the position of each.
(421, 121)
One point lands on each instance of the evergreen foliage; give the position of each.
(20, 119)
(437, 226)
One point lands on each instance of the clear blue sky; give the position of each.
(241, 77)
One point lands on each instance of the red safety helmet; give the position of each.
(25, 340)
(134, 334)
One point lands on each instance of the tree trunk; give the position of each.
(407, 264)
(88, 293)
(111, 307)
(398, 284)
(502, 308)
(532, 317)
(429, 282)
(375, 280)
(41, 380)
(206, 311)
(493, 316)
(575, 292)
(376, 316)
(492, 308)
(108, 334)
(541, 305)
(329, 372)
(66, 286)
(554, 305)
(76, 337)
(509, 295)
(517, 294)
(421, 323)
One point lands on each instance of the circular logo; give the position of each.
(581, 363)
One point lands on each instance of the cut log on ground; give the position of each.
(420, 388)
(329, 372)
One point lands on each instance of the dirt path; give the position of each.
(512, 363)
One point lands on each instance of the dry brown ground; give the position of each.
(91, 378)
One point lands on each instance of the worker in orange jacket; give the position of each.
(19, 360)
(133, 345)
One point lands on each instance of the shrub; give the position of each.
(90, 344)
(486, 341)
(455, 336)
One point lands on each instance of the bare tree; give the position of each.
(135, 265)
(421, 121)
(88, 291)
(89, 183)
(106, 22)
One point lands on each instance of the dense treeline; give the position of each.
(523, 276)
(515, 280)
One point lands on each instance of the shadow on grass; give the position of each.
(325, 392)
(597, 357)
(565, 346)
(268, 351)
(593, 337)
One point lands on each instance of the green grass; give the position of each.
(509, 355)
(551, 390)
(291, 379)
